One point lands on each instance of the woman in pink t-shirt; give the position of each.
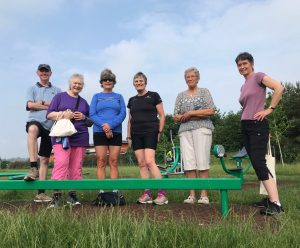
(254, 124)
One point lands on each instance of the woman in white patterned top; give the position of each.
(193, 109)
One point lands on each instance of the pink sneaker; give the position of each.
(161, 199)
(144, 198)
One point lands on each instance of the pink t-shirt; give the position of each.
(253, 96)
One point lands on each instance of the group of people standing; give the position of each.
(193, 109)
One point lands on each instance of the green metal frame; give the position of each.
(172, 168)
(238, 171)
(222, 184)
(9, 174)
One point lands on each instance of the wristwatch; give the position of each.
(271, 107)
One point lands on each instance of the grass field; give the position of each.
(23, 227)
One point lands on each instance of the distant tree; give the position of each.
(228, 130)
(171, 125)
(285, 124)
(290, 106)
(278, 123)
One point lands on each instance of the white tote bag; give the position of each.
(62, 128)
(271, 166)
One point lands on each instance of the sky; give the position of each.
(159, 38)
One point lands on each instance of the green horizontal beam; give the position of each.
(91, 184)
(8, 174)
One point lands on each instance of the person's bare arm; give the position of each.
(278, 91)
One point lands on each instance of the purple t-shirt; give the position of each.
(63, 101)
(253, 96)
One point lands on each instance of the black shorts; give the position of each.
(45, 144)
(143, 141)
(100, 139)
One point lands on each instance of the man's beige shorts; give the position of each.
(195, 148)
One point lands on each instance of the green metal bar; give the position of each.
(247, 168)
(168, 184)
(224, 202)
(8, 174)
(18, 177)
(224, 166)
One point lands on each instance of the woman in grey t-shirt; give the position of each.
(193, 109)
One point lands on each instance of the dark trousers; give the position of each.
(255, 136)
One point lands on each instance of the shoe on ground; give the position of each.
(190, 200)
(203, 200)
(145, 198)
(272, 209)
(56, 202)
(42, 197)
(33, 175)
(72, 199)
(261, 204)
(161, 199)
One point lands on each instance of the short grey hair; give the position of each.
(140, 74)
(76, 75)
(192, 69)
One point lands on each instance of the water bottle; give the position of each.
(65, 142)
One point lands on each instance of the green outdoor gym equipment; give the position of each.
(241, 155)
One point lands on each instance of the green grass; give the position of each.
(115, 228)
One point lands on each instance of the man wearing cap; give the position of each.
(39, 97)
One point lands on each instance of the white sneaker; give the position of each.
(190, 200)
(203, 200)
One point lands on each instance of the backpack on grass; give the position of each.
(109, 199)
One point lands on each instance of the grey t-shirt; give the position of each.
(38, 93)
(201, 100)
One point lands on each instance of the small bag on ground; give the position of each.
(110, 199)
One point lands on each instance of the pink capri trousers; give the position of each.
(68, 163)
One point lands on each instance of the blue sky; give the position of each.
(160, 38)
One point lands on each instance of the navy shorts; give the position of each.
(100, 139)
(143, 141)
(45, 144)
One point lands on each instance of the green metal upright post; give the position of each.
(224, 202)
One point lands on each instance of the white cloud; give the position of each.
(165, 40)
